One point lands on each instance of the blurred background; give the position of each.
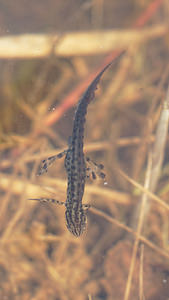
(50, 51)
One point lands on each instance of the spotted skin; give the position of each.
(75, 165)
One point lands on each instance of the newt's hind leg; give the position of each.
(49, 161)
(49, 200)
(94, 169)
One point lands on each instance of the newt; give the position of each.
(75, 164)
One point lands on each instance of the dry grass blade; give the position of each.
(141, 286)
(81, 43)
(143, 189)
(139, 230)
(155, 248)
(160, 143)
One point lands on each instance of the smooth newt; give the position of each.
(75, 165)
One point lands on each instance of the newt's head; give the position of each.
(76, 220)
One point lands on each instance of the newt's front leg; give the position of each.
(49, 161)
(94, 169)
